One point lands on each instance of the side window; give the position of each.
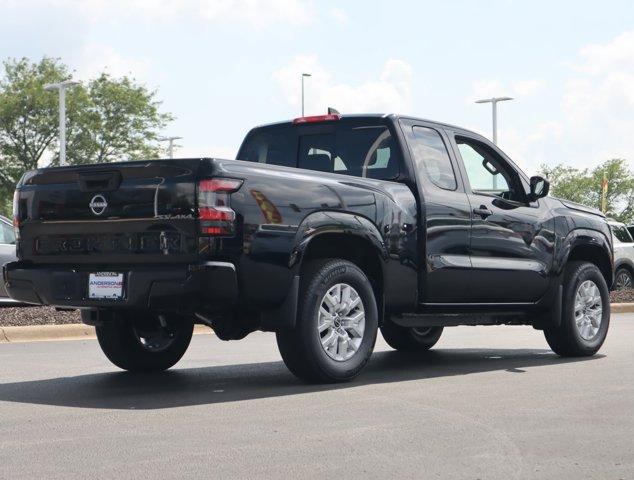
(431, 157)
(272, 147)
(621, 234)
(488, 174)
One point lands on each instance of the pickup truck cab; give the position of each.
(325, 230)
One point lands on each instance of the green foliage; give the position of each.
(584, 186)
(112, 120)
(28, 115)
(108, 120)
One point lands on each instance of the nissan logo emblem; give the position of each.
(98, 204)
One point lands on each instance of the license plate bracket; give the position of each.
(105, 286)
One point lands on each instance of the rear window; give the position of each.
(359, 150)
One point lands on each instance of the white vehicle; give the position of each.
(7, 253)
(623, 256)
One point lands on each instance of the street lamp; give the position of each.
(170, 148)
(494, 104)
(61, 87)
(303, 76)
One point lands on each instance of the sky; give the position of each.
(223, 66)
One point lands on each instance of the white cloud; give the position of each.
(597, 58)
(97, 59)
(390, 92)
(339, 15)
(595, 122)
(598, 102)
(525, 88)
(495, 88)
(532, 148)
(256, 13)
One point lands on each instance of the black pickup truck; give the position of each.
(325, 230)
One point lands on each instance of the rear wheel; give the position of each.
(145, 341)
(623, 279)
(336, 323)
(585, 315)
(410, 339)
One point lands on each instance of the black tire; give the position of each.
(120, 340)
(301, 348)
(623, 279)
(566, 340)
(410, 339)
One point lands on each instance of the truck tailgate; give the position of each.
(139, 212)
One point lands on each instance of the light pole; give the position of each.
(303, 76)
(494, 110)
(170, 148)
(494, 105)
(61, 88)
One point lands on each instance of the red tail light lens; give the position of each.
(227, 185)
(214, 211)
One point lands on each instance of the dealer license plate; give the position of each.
(105, 285)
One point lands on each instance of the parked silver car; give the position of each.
(623, 256)
(7, 252)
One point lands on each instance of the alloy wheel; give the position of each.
(588, 310)
(341, 322)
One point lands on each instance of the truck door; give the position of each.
(444, 206)
(512, 239)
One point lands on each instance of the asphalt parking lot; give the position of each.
(486, 403)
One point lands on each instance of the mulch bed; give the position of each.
(15, 316)
(622, 296)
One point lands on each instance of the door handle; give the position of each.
(483, 211)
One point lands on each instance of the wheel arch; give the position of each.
(591, 246)
(345, 236)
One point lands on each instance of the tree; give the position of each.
(111, 120)
(108, 119)
(568, 182)
(620, 191)
(585, 187)
(28, 116)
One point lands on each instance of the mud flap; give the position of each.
(283, 317)
(552, 317)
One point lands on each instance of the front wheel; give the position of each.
(585, 315)
(336, 323)
(145, 341)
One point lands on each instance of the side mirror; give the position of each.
(539, 188)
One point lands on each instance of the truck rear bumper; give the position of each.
(183, 286)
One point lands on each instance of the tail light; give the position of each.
(214, 210)
(317, 118)
(16, 214)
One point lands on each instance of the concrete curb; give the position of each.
(70, 331)
(79, 331)
(622, 307)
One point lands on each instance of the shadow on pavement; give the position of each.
(200, 386)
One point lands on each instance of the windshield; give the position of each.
(355, 148)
